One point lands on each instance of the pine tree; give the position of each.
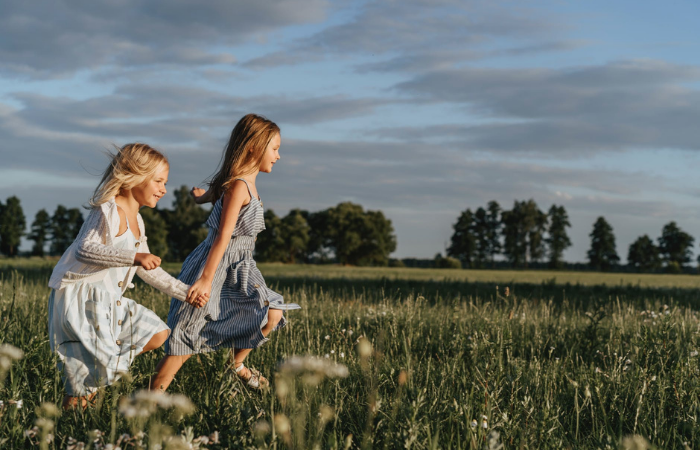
(494, 225)
(12, 226)
(523, 232)
(643, 255)
(40, 232)
(557, 239)
(463, 243)
(480, 231)
(602, 254)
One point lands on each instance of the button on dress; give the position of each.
(239, 298)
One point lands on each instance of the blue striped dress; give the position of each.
(239, 298)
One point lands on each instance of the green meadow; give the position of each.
(402, 358)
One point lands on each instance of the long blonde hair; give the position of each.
(244, 151)
(129, 167)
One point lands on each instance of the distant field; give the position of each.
(480, 276)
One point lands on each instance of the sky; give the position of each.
(418, 108)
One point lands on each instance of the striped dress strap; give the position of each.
(246, 185)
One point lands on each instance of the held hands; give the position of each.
(198, 294)
(147, 261)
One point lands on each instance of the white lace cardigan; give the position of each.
(92, 252)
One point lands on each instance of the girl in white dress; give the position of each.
(95, 330)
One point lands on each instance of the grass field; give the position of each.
(435, 359)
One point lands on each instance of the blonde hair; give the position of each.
(244, 151)
(129, 167)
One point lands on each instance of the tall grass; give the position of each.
(429, 365)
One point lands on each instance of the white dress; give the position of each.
(97, 332)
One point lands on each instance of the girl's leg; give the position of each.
(166, 370)
(156, 341)
(239, 355)
(75, 402)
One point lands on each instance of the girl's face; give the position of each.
(150, 191)
(272, 154)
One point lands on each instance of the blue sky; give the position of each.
(418, 108)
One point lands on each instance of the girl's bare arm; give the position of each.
(233, 202)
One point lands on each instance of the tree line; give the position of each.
(525, 235)
(345, 233)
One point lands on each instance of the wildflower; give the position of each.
(628, 362)
(327, 337)
(474, 423)
(484, 424)
(332, 352)
(364, 348)
(349, 332)
(597, 370)
(313, 365)
(653, 378)
(327, 355)
(19, 403)
(694, 353)
(343, 330)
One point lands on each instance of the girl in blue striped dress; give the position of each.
(241, 310)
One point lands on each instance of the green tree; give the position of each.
(12, 226)
(64, 228)
(675, 245)
(156, 230)
(494, 225)
(40, 232)
(463, 242)
(186, 225)
(643, 255)
(602, 254)
(358, 237)
(319, 248)
(295, 235)
(557, 239)
(270, 244)
(523, 232)
(480, 231)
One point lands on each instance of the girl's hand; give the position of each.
(147, 261)
(199, 292)
(200, 195)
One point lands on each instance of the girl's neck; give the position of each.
(125, 199)
(250, 177)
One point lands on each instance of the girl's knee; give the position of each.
(273, 317)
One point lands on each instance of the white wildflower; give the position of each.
(327, 337)
(327, 355)
(474, 423)
(332, 352)
(342, 354)
(19, 404)
(350, 332)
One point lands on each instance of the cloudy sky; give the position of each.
(420, 108)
